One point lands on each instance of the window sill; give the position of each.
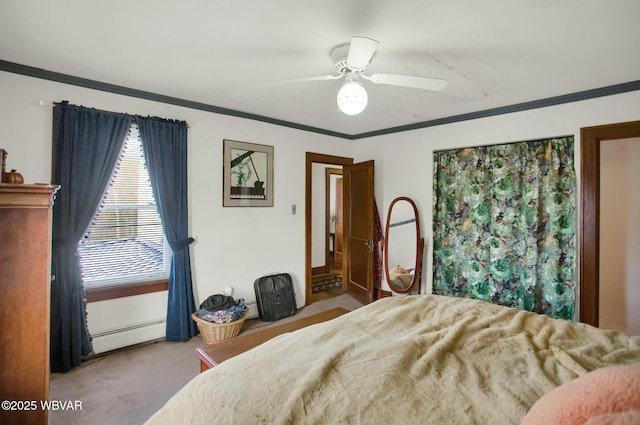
(128, 290)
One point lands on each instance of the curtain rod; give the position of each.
(53, 104)
(503, 143)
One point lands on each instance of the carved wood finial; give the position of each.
(3, 158)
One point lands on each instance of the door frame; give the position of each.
(310, 159)
(590, 138)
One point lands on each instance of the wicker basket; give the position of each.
(215, 332)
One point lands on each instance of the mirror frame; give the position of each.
(417, 275)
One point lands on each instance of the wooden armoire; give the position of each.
(25, 287)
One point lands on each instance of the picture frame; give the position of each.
(247, 174)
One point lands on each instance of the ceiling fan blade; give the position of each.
(303, 80)
(424, 83)
(361, 51)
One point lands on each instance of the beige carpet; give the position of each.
(127, 386)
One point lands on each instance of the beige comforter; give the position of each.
(402, 360)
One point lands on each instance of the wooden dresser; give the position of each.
(25, 285)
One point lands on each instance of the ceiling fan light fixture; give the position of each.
(352, 98)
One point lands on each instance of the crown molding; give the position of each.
(127, 91)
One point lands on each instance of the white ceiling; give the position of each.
(493, 53)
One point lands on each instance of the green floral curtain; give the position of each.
(504, 225)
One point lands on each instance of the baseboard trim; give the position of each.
(320, 270)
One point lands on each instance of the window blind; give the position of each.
(125, 242)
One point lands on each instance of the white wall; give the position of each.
(620, 235)
(404, 161)
(333, 181)
(237, 245)
(318, 210)
(234, 246)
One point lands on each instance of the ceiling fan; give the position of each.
(351, 61)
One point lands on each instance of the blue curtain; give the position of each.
(86, 147)
(165, 147)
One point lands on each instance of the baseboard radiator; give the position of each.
(113, 339)
(130, 335)
(253, 309)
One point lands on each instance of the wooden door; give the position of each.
(338, 246)
(358, 224)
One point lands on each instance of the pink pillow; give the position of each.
(608, 396)
(630, 417)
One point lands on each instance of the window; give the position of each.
(125, 242)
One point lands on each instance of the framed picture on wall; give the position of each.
(248, 174)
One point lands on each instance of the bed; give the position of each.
(421, 359)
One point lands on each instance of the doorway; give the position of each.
(619, 301)
(590, 139)
(323, 221)
(326, 232)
